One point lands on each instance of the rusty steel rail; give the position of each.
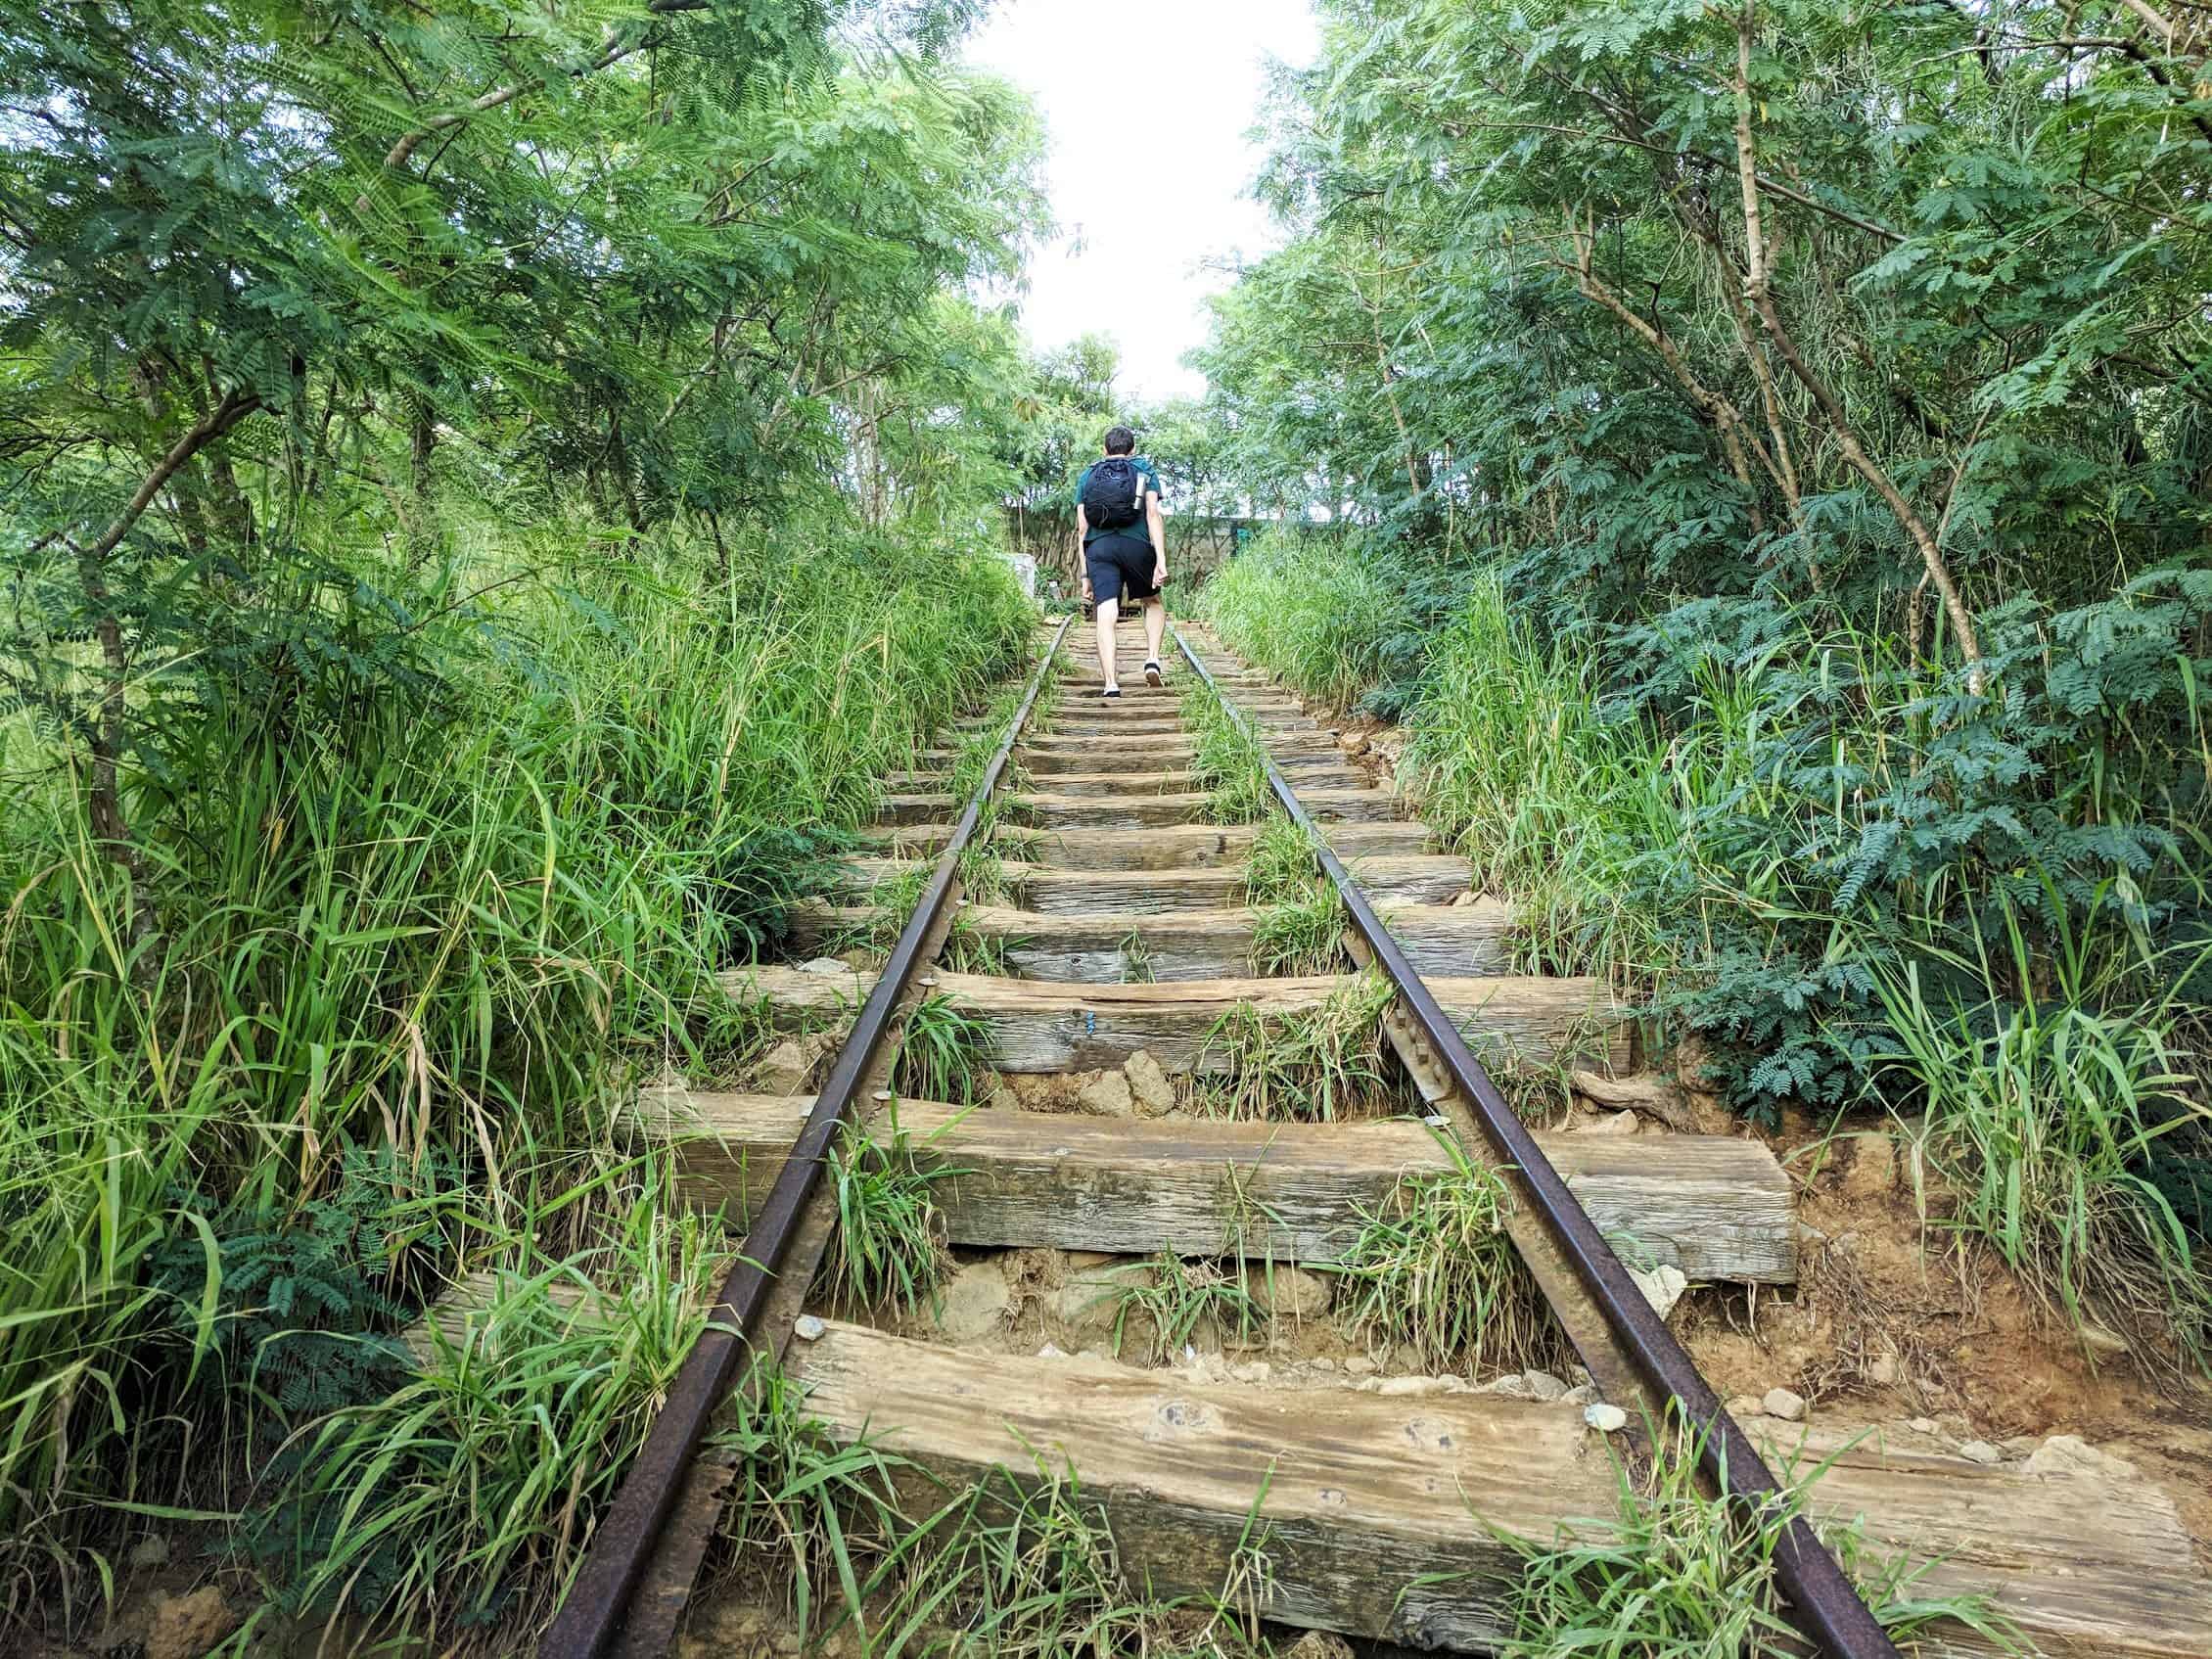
(1826, 1608)
(623, 1546)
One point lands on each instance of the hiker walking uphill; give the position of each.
(1123, 548)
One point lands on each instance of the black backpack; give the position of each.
(1113, 495)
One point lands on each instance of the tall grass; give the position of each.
(1323, 611)
(2042, 1116)
(443, 923)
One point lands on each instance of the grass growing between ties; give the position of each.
(889, 1249)
(1316, 1065)
(943, 1054)
(1028, 1569)
(1677, 1574)
(1433, 1269)
(1226, 761)
(1299, 921)
(1179, 1298)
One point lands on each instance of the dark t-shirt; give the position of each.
(1136, 529)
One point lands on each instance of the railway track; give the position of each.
(1123, 949)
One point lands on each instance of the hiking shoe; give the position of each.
(1111, 691)
(1152, 672)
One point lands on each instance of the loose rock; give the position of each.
(1781, 1402)
(1745, 1406)
(1981, 1452)
(1107, 1095)
(1883, 1371)
(2068, 1454)
(829, 967)
(782, 1070)
(808, 1328)
(1663, 1286)
(972, 1304)
(1616, 1123)
(1291, 1291)
(1359, 1365)
(1604, 1417)
(1089, 1301)
(1544, 1386)
(1319, 1644)
(1154, 1094)
(185, 1627)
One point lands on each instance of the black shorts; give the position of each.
(1119, 562)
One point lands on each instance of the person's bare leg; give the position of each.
(1108, 613)
(1156, 624)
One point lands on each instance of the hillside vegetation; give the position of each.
(1770, 451)
(470, 558)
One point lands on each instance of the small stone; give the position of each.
(1544, 1386)
(1290, 1291)
(1319, 1644)
(808, 1328)
(973, 1304)
(1466, 901)
(185, 1627)
(1663, 1286)
(1883, 1371)
(1359, 1365)
(1353, 743)
(1604, 1417)
(2068, 1454)
(782, 1070)
(1511, 1386)
(1107, 1095)
(1846, 1242)
(788, 1642)
(1809, 1236)
(1745, 1406)
(1923, 1425)
(1781, 1402)
(1581, 1394)
(1052, 1350)
(1613, 1122)
(1981, 1452)
(1321, 1363)
(1091, 1300)
(1252, 1372)
(152, 1550)
(1404, 1387)
(829, 967)
(1154, 1094)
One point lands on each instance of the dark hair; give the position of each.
(1120, 440)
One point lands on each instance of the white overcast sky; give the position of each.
(1147, 174)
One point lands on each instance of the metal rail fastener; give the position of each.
(1825, 1606)
(592, 1613)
